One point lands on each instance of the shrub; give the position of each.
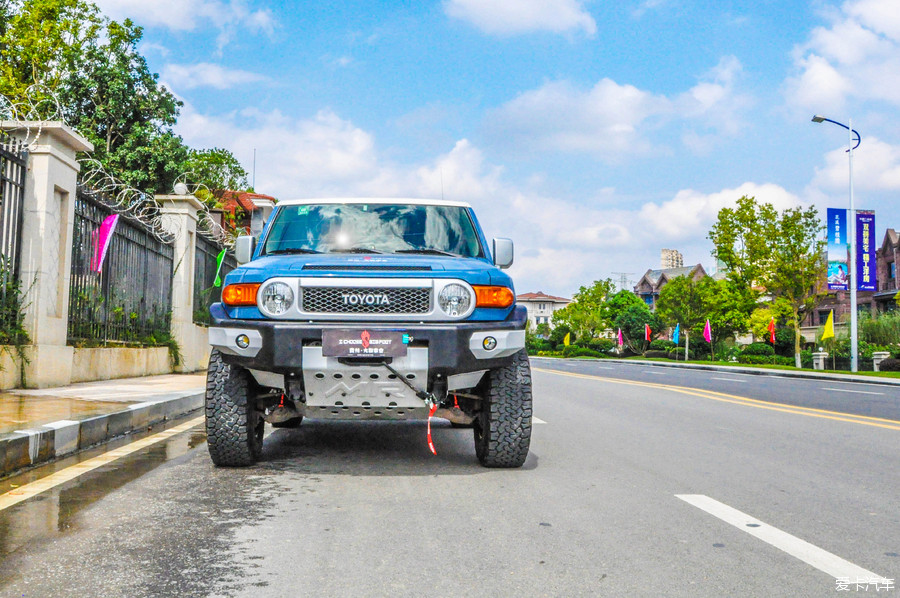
(890, 365)
(603, 345)
(766, 359)
(572, 351)
(757, 349)
(679, 354)
(656, 354)
(661, 344)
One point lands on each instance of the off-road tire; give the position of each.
(290, 423)
(503, 427)
(234, 428)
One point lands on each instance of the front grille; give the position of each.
(330, 300)
(333, 267)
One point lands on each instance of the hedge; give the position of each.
(758, 349)
(657, 354)
(889, 365)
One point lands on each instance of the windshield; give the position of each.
(373, 228)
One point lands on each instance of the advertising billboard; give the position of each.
(866, 271)
(838, 240)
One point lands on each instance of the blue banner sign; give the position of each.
(865, 251)
(838, 241)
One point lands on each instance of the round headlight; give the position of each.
(455, 300)
(277, 298)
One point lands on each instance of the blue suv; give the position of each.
(369, 308)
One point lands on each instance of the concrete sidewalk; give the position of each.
(37, 426)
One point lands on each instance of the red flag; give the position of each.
(646, 332)
(772, 330)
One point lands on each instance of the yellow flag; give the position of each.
(829, 327)
(567, 339)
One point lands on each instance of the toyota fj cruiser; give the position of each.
(369, 309)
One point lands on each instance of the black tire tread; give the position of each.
(231, 439)
(503, 428)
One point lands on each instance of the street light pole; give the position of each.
(852, 269)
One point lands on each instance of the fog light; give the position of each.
(242, 341)
(489, 343)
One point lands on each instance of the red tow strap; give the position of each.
(430, 415)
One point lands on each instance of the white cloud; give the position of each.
(876, 167)
(849, 59)
(228, 16)
(506, 17)
(611, 120)
(561, 243)
(604, 120)
(204, 74)
(691, 213)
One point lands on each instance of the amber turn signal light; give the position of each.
(240, 294)
(493, 297)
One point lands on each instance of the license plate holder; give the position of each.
(362, 342)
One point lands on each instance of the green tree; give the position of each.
(104, 86)
(218, 170)
(41, 42)
(798, 265)
(781, 253)
(724, 309)
(681, 301)
(588, 313)
(742, 238)
(631, 320)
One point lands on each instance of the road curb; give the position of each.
(42, 444)
(750, 371)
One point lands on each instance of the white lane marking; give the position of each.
(858, 392)
(537, 420)
(729, 379)
(657, 373)
(821, 559)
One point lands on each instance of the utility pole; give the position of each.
(623, 279)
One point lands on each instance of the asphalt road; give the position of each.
(641, 482)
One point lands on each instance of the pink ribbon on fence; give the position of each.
(102, 238)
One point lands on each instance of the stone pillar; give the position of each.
(878, 357)
(819, 360)
(179, 212)
(46, 255)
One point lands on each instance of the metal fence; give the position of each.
(130, 298)
(13, 165)
(205, 266)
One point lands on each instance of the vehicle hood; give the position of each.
(472, 270)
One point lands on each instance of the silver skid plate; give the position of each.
(337, 391)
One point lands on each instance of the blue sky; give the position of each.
(592, 133)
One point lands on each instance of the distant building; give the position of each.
(247, 211)
(540, 307)
(671, 258)
(887, 258)
(652, 282)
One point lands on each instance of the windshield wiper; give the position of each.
(292, 250)
(427, 251)
(355, 250)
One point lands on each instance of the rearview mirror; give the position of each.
(503, 253)
(243, 248)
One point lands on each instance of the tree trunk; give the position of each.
(797, 361)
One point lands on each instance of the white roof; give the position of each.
(373, 200)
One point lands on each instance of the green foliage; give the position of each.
(603, 345)
(882, 330)
(218, 170)
(682, 301)
(662, 344)
(656, 354)
(632, 320)
(558, 335)
(588, 312)
(573, 351)
(104, 86)
(678, 353)
(763, 349)
(766, 360)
